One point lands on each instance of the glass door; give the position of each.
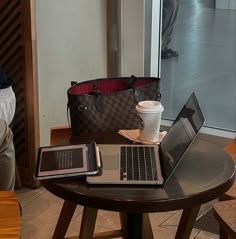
(204, 37)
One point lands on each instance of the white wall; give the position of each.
(155, 67)
(132, 37)
(135, 46)
(71, 38)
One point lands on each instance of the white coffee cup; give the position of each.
(149, 116)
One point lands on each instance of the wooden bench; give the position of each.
(9, 216)
(225, 213)
(58, 134)
(231, 193)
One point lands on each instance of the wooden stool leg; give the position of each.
(63, 222)
(88, 223)
(186, 222)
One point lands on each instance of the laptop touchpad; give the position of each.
(110, 161)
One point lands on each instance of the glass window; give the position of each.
(205, 38)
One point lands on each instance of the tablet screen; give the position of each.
(63, 160)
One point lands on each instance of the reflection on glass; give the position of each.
(169, 16)
(205, 38)
(181, 134)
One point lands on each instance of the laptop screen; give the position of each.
(180, 135)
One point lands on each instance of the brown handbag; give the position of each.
(108, 104)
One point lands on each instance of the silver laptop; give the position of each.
(150, 164)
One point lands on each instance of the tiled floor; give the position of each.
(41, 210)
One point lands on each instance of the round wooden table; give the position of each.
(204, 173)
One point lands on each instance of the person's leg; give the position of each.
(167, 15)
(170, 11)
(7, 158)
(172, 21)
(7, 104)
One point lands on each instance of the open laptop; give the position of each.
(151, 164)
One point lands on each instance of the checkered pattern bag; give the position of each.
(109, 104)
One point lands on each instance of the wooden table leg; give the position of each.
(186, 222)
(134, 226)
(123, 221)
(88, 223)
(63, 222)
(147, 227)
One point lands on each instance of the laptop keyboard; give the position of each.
(137, 163)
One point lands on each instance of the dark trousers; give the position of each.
(169, 15)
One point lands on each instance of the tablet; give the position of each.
(67, 161)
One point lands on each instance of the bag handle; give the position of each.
(68, 115)
(95, 90)
(132, 80)
(99, 98)
(68, 107)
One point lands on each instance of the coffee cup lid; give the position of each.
(149, 106)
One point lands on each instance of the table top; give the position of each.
(204, 173)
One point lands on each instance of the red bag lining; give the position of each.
(106, 86)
